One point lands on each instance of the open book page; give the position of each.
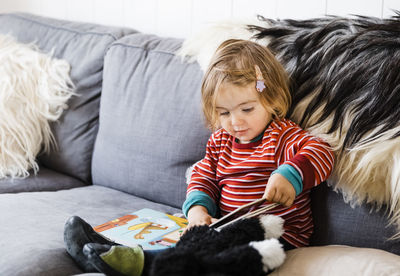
(149, 228)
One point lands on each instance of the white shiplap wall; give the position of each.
(181, 18)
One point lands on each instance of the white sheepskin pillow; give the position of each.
(34, 90)
(340, 260)
(202, 45)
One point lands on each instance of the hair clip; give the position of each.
(260, 85)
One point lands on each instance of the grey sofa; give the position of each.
(124, 144)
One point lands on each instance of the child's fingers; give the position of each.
(270, 194)
(286, 201)
(273, 195)
(282, 199)
(191, 225)
(276, 196)
(279, 197)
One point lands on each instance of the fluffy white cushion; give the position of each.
(201, 46)
(338, 260)
(34, 89)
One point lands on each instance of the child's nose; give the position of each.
(236, 120)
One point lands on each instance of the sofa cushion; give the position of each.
(32, 225)
(336, 222)
(338, 260)
(151, 128)
(83, 46)
(45, 180)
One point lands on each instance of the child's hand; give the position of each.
(279, 190)
(198, 215)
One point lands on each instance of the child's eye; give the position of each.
(247, 110)
(226, 113)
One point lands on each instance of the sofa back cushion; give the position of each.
(83, 45)
(151, 127)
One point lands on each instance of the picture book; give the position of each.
(149, 228)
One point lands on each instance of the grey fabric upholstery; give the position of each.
(45, 180)
(336, 222)
(83, 46)
(32, 225)
(151, 127)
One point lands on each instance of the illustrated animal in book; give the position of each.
(248, 247)
(115, 223)
(158, 224)
(147, 226)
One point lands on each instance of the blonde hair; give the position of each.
(234, 62)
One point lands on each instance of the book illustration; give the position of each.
(146, 228)
(149, 228)
(114, 223)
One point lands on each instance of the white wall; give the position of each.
(181, 18)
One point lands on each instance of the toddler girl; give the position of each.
(255, 152)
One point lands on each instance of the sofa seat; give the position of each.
(45, 180)
(32, 225)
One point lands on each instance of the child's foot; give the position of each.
(117, 260)
(77, 233)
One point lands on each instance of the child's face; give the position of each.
(240, 111)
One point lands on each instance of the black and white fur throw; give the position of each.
(345, 84)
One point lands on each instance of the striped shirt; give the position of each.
(234, 174)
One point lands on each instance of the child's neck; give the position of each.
(255, 139)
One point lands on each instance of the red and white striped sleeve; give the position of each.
(309, 155)
(203, 176)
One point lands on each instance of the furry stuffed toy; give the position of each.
(345, 89)
(246, 247)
